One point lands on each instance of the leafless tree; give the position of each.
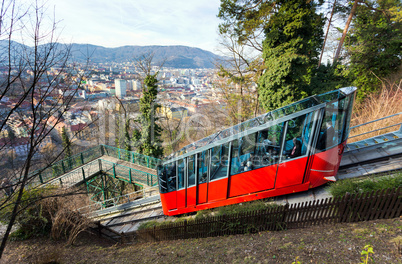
(239, 74)
(39, 84)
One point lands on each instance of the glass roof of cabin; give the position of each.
(264, 118)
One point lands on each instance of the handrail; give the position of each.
(69, 164)
(373, 121)
(376, 120)
(112, 202)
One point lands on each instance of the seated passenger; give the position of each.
(296, 150)
(326, 137)
(249, 166)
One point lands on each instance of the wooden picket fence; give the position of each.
(350, 208)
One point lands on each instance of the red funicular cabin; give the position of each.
(291, 149)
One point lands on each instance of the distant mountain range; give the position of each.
(174, 56)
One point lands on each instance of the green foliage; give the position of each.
(368, 249)
(66, 143)
(374, 43)
(236, 208)
(33, 220)
(148, 137)
(149, 224)
(353, 186)
(329, 77)
(243, 18)
(293, 37)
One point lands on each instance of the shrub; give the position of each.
(46, 211)
(32, 220)
(354, 186)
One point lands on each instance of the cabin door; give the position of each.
(294, 150)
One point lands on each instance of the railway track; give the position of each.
(367, 161)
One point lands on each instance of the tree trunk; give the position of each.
(352, 12)
(326, 35)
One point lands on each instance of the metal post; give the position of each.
(132, 159)
(62, 165)
(83, 174)
(119, 152)
(100, 164)
(129, 175)
(147, 162)
(147, 179)
(82, 159)
(40, 178)
(114, 171)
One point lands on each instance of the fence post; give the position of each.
(148, 179)
(102, 150)
(118, 150)
(129, 175)
(284, 214)
(40, 178)
(342, 207)
(114, 171)
(185, 229)
(62, 165)
(83, 174)
(147, 162)
(132, 158)
(82, 159)
(100, 164)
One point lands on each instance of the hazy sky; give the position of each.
(115, 23)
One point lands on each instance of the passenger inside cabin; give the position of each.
(296, 150)
(326, 136)
(249, 166)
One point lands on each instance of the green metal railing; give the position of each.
(63, 166)
(69, 164)
(130, 156)
(112, 169)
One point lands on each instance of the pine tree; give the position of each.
(66, 143)
(293, 38)
(148, 137)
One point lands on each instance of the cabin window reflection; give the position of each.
(332, 127)
(167, 178)
(219, 161)
(180, 173)
(203, 161)
(268, 146)
(297, 136)
(191, 171)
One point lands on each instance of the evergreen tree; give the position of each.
(148, 137)
(66, 143)
(374, 43)
(293, 38)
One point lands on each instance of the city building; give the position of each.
(120, 87)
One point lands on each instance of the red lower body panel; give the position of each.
(217, 190)
(288, 177)
(291, 172)
(252, 181)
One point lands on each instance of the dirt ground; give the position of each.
(339, 243)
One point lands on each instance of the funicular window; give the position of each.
(348, 108)
(268, 146)
(219, 161)
(297, 136)
(242, 151)
(191, 171)
(333, 124)
(167, 178)
(181, 173)
(203, 161)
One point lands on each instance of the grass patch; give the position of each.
(357, 186)
(237, 208)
